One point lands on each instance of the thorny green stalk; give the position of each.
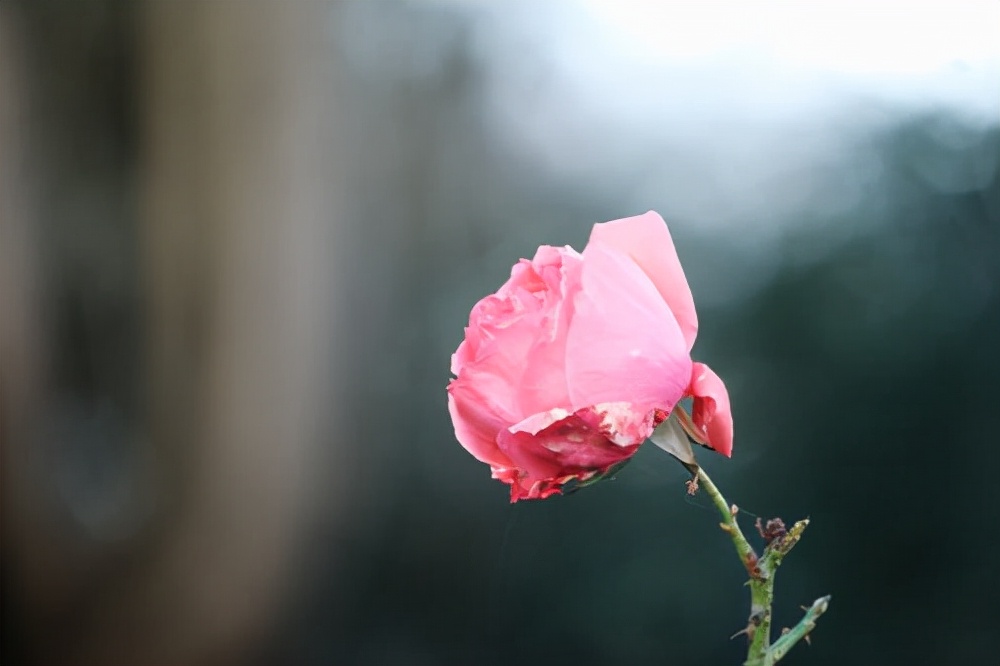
(761, 571)
(801, 630)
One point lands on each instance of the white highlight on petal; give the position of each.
(622, 425)
(538, 422)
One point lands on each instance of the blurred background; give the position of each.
(240, 240)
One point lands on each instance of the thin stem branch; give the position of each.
(761, 571)
(758, 628)
(801, 630)
(728, 524)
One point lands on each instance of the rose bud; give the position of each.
(573, 362)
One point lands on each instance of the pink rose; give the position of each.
(567, 369)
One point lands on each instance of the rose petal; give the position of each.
(538, 422)
(543, 385)
(503, 331)
(646, 239)
(623, 423)
(462, 356)
(477, 423)
(552, 448)
(712, 413)
(520, 297)
(624, 344)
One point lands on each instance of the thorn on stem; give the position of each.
(807, 640)
(755, 621)
(733, 510)
(751, 564)
(747, 630)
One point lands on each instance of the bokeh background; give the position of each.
(239, 241)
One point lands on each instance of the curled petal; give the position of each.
(646, 239)
(476, 423)
(462, 356)
(550, 449)
(711, 414)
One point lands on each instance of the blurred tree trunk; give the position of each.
(237, 232)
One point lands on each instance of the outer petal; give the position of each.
(712, 413)
(646, 239)
(624, 344)
(462, 356)
(503, 329)
(477, 422)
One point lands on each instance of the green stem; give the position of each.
(758, 628)
(761, 571)
(728, 524)
(801, 630)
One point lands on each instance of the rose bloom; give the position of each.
(572, 363)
